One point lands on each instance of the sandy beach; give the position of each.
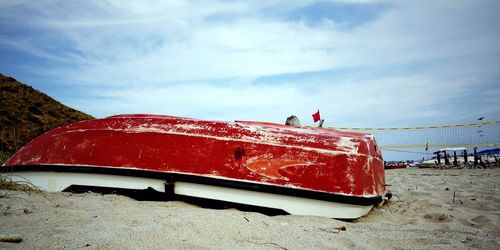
(431, 209)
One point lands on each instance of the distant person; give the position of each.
(292, 121)
(476, 158)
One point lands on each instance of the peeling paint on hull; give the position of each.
(302, 158)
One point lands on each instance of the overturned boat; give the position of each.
(303, 171)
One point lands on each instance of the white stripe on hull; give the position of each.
(59, 181)
(291, 204)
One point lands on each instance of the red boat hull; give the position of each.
(316, 160)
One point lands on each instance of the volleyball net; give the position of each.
(482, 134)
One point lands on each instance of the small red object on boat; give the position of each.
(307, 171)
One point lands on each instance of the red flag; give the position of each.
(316, 116)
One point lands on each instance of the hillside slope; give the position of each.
(26, 113)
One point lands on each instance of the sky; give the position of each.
(362, 63)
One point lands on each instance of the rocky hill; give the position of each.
(26, 113)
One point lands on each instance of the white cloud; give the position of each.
(168, 57)
(365, 103)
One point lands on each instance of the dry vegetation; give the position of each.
(26, 113)
(7, 184)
